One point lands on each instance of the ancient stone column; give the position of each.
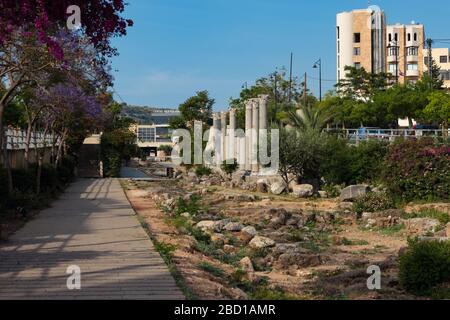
(255, 134)
(248, 133)
(232, 143)
(223, 122)
(217, 126)
(263, 121)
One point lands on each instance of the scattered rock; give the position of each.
(421, 226)
(323, 194)
(262, 185)
(338, 240)
(233, 226)
(229, 248)
(346, 206)
(220, 225)
(351, 193)
(259, 242)
(207, 225)
(170, 203)
(186, 215)
(218, 238)
(277, 188)
(250, 230)
(303, 190)
(246, 264)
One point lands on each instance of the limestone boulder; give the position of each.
(233, 226)
(303, 190)
(250, 231)
(277, 188)
(262, 185)
(206, 225)
(351, 193)
(246, 264)
(421, 226)
(259, 242)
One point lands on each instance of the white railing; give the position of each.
(364, 134)
(16, 140)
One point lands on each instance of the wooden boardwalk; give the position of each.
(94, 227)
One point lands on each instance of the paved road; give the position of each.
(128, 172)
(94, 227)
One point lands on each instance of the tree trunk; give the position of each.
(6, 162)
(27, 144)
(40, 161)
(60, 148)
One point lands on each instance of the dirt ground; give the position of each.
(325, 259)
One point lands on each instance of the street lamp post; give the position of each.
(318, 64)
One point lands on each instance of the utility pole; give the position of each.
(275, 89)
(430, 61)
(305, 88)
(290, 80)
(396, 61)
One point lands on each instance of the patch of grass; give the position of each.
(389, 231)
(263, 292)
(215, 271)
(165, 250)
(443, 217)
(348, 242)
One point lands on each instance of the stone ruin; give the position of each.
(229, 142)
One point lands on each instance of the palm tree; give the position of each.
(309, 118)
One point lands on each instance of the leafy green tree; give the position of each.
(198, 107)
(284, 96)
(438, 109)
(360, 84)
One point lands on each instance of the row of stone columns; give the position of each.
(243, 148)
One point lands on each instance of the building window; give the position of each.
(393, 51)
(339, 47)
(409, 36)
(338, 33)
(415, 36)
(443, 59)
(390, 37)
(357, 37)
(413, 66)
(412, 51)
(357, 51)
(393, 68)
(357, 65)
(396, 37)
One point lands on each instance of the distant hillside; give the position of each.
(147, 115)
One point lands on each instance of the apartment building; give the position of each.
(405, 51)
(361, 40)
(441, 57)
(365, 40)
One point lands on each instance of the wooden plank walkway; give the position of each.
(94, 227)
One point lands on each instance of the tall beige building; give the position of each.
(361, 40)
(442, 58)
(405, 52)
(364, 40)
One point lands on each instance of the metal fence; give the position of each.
(365, 134)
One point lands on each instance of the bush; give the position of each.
(202, 171)
(424, 266)
(346, 164)
(418, 169)
(373, 202)
(230, 166)
(112, 163)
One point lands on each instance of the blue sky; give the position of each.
(178, 47)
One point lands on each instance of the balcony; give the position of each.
(412, 73)
(412, 58)
(392, 59)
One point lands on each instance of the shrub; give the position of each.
(443, 217)
(424, 266)
(417, 169)
(230, 166)
(346, 164)
(192, 205)
(112, 163)
(373, 202)
(202, 171)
